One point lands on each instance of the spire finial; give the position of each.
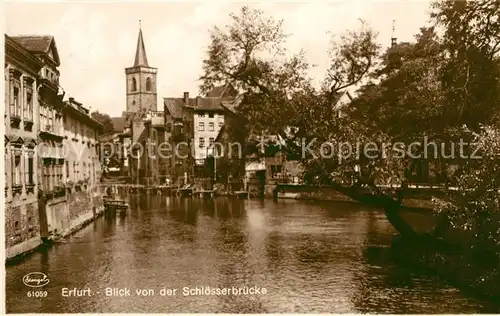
(393, 38)
(140, 54)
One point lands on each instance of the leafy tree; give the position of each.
(105, 120)
(441, 87)
(471, 41)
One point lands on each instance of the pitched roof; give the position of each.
(39, 44)
(226, 91)
(174, 106)
(221, 133)
(119, 123)
(232, 105)
(140, 54)
(216, 92)
(208, 104)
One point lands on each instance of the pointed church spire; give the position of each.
(140, 55)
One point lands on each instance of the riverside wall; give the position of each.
(320, 193)
(50, 220)
(22, 228)
(69, 213)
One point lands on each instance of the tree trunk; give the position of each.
(390, 206)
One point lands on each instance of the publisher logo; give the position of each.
(36, 279)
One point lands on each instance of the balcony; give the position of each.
(48, 132)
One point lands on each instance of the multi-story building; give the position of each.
(82, 165)
(22, 226)
(193, 125)
(50, 128)
(147, 164)
(226, 157)
(43, 134)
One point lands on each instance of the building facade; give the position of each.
(82, 165)
(148, 166)
(44, 137)
(76, 198)
(193, 124)
(22, 225)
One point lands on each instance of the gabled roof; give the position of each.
(212, 102)
(39, 44)
(174, 106)
(232, 105)
(226, 91)
(221, 133)
(208, 104)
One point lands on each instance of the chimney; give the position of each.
(198, 100)
(186, 98)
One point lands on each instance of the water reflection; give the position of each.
(311, 257)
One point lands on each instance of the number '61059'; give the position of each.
(37, 293)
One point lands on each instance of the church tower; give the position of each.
(141, 81)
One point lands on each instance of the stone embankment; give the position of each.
(59, 216)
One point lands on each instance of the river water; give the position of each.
(305, 256)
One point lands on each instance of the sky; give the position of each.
(97, 40)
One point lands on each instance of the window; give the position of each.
(43, 121)
(201, 126)
(134, 85)
(15, 103)
(221, 124)
(30, 171)
(60, 172)
(210, 115)
(202, 142)
(211, 126)
(50, 115)
(211, 141)
(16, 171)
(27, 106)
(67, 169)
(148, 84)
(47, 175)
(30, 105)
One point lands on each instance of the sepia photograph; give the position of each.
(252, 157)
